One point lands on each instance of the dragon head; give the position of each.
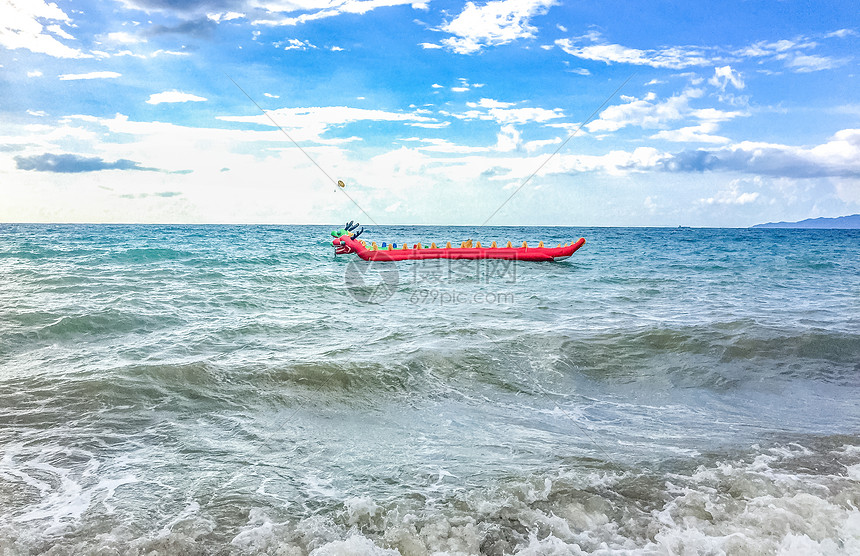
(340, 247)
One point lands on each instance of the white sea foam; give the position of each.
(355, 545)
(110, 486)
(187, 514)
(360, 509)
(64, 493)
(768, 503)
(260, 535)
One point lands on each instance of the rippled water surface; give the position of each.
(238, 390)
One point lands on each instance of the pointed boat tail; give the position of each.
(346, 244)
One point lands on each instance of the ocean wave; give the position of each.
(775, 499)
(722, 355)
(149, 255)
(719, 355)
(35, 329)
(241, 359)
(42, 253)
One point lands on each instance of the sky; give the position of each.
(505, 112)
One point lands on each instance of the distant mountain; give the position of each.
(841, 223)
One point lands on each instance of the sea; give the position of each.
(240, 390)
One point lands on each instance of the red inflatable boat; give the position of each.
(346, 242)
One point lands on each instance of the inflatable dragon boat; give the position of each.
(346, 241)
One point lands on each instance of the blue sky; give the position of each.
(431, 112)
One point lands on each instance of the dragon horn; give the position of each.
(358, 234)
(348, 224)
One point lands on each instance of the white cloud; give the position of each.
(159, 52)
(676, 57)
(129, 53)
(532, 146)
(489, 103)
(313, 122)
(642, 112)
(34, 73)
(430, 46)
(843, 149)
(508, 139)
(429, 125)
(733, 194)
(321, 9)
(650, 113)
(615, 162)
(763, 49)
(173, 96)
(847, 190)
(492, 24)
(124, 38)
(20, 27)
(91, 75)
(793, 53)
(60, 32)
(444, 146)
(504, 113)
(841, 33)
(294, 44)
(692, 134)
(525, 115)
(227, 16)
(723, 76)
(512, 115)
(464, 86)
(805, 63)
(649, 204)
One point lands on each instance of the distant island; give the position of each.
(841, 223)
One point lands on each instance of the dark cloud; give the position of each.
(190, 5)
(691, 161)
(200, 28)
(771, 161)
(72, 163)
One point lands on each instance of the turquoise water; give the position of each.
(238, 390)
